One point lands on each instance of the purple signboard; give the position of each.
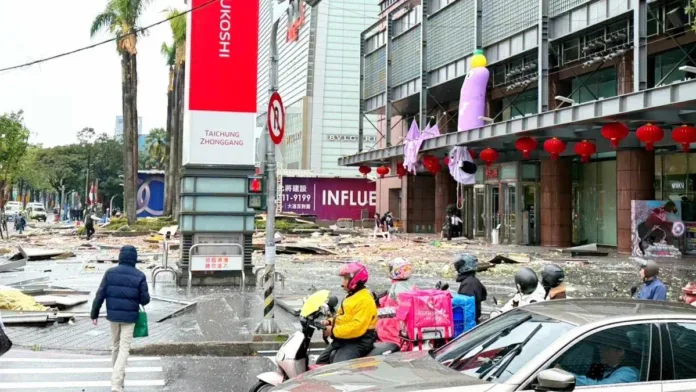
(329, 199)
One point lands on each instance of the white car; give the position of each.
(11, 208)
(609, 345)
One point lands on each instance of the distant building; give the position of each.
(118, 131)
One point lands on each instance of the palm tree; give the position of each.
(120, 18)
(175, 113)
(157, 145)
(169, 53)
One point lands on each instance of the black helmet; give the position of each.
(552, 276)
(526, 280)
(651, 269)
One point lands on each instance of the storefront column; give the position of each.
(625, 73)
(556, 203)
(635, 173)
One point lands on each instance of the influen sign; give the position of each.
(296, 18)
(329, 199)
(222, 50)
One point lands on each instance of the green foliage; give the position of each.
(14, 141)
(142, 224)
(691, 11)
(120, 18)
(157, 148)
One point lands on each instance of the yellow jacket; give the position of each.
(356, 315)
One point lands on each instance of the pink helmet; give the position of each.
(400, 269)
(356, 272)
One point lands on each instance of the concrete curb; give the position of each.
(211, 349)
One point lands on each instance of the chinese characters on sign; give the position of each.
(295, 197)
(216, 263)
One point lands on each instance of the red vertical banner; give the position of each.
(223, 55)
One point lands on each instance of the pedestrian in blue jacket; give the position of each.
(124, 288)
(652, 288)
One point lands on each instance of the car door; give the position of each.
(679, 369)
(639, 368)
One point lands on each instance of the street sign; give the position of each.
(276, 118)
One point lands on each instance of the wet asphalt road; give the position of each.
(22, 370)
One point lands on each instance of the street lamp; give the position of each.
(564, 99)
(688, 68)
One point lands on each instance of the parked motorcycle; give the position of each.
(293, 356)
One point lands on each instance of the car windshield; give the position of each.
(39, 209)
(497, 349)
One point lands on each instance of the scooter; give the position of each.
(293, 356)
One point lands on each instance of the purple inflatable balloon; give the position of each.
(472, 100)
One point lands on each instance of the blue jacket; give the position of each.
(654, 290)
(124, 288)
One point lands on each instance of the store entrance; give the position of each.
(508, 230)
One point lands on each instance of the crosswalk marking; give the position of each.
(78, 370)
(76, 384)
(24, 371)
(76, 360)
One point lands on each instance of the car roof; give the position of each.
(589, 310)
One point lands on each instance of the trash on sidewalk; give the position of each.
(61, 301)
(583, 248)
(511, 258)
(10, 265)
(13, 299)
(33, 254)
(290, 303)
(187, 305)
(291, 249)
(278, 238)
(171, 229)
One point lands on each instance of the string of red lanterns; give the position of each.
(365, 170)
(401, 170)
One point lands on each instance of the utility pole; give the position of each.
(269, 325)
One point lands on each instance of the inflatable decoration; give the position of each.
(472, 99)
(461, 166)
(414, 141)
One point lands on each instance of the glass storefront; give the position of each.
(594, 203)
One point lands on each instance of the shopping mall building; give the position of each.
(558, 68)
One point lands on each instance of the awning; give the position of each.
(669, 105)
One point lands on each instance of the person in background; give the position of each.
(20, 222)
(466, 264)
(454, 223)
(652, 288)
(124, 288)
(90, 218)
(378, 226)
(3, 223)
(552, 277)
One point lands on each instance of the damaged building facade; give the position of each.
(558, 69)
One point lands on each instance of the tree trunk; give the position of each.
(167, 173)
(130, 165)
(179, 121)
(174, 163)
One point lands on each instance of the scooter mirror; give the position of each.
(444, 287)
(495, 300)
(332, 303)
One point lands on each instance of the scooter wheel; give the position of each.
(261, 386)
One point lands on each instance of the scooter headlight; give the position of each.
(280, 356)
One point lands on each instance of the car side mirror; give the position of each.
(556, 380)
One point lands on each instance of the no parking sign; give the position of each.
(276, 118)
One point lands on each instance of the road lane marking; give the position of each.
(78, 370)
(48, 385)
(76, 360)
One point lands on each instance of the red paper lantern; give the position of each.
(365, 170)
(429, 160)
(472, 153)
(434, 167)
(446, 160)
(489, 156)
(585, 149)
(650, 134)
(684, 135)
(382, 171)
(555, 147)
(401, 170)
(615, 132)
(526, 145)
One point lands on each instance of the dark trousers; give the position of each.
(89, 228)
(347, 349)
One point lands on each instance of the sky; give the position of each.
(62, 96)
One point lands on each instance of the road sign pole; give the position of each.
(269, 325)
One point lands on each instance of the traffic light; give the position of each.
(256, 189)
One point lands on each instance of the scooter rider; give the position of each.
(552, 278)
(652, 288)
(466, 265)
(528, 291)
(353, 328)
(399, 272)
